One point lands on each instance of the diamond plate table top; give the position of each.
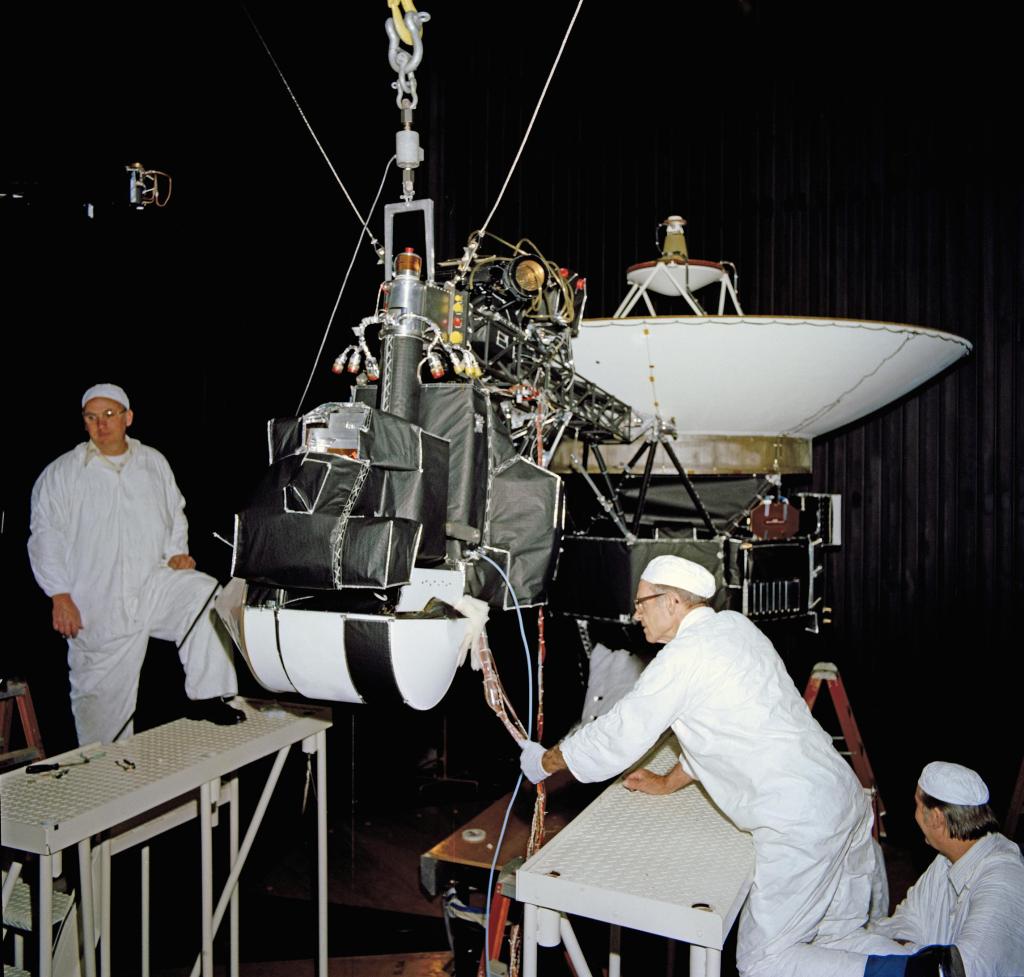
(671, 864)
(48, 811)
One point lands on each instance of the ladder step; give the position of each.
(849, 743)
(13, 689)
(15, 758)
(18, 914)
(14, 692)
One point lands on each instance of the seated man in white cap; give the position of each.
(971, 898)
(748, 737)
(109, 546)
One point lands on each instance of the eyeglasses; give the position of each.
(640, 600)
(108, 415)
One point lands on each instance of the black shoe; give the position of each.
(936, 961)
(216, 711)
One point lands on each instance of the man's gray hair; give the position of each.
(690, 600)
(965, 822)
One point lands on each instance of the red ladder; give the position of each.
(828, 673)
(16, 691)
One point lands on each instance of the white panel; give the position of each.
(760, 375)
(259, 645)
(425, 655)
(313, 646)
(446, 585)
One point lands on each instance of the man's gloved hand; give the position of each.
(529, 761)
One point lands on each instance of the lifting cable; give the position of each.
(475, 238)
(341, 291)
(323, 152)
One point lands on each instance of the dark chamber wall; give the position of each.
(844, 157)
(850, 167)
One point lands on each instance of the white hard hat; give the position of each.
(953, 784)
(674, 571)
(109, 390)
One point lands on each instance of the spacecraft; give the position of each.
(497, 403)
(727, 405)
(377, 517)
(500, 451)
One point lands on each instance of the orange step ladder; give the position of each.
(15, 691)
(855, 750)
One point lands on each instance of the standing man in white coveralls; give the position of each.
(748, 737)
(109, 546)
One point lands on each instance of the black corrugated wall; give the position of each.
(848, 168)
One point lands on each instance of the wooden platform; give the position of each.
(467, 853)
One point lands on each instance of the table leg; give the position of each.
(321, 852)
(206, 863)
(705, 961)
(144, 883)
(233, 848)
(243, 852)
(615, 952)
(529, 940)
(45, 915)
(86, 906)
(105, 908)
(572, 947)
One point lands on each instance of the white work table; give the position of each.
(671, 865)
(130, 791)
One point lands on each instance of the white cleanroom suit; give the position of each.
(976, 902)
(747, 735)
(103, 531)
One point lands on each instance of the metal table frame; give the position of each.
(138, 788)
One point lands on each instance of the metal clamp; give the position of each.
(402, 62)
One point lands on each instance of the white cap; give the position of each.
(109, 390)
(953, 784)
(674, 571)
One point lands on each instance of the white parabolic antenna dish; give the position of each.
(760, 375)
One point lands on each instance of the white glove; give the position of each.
(529, 761)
